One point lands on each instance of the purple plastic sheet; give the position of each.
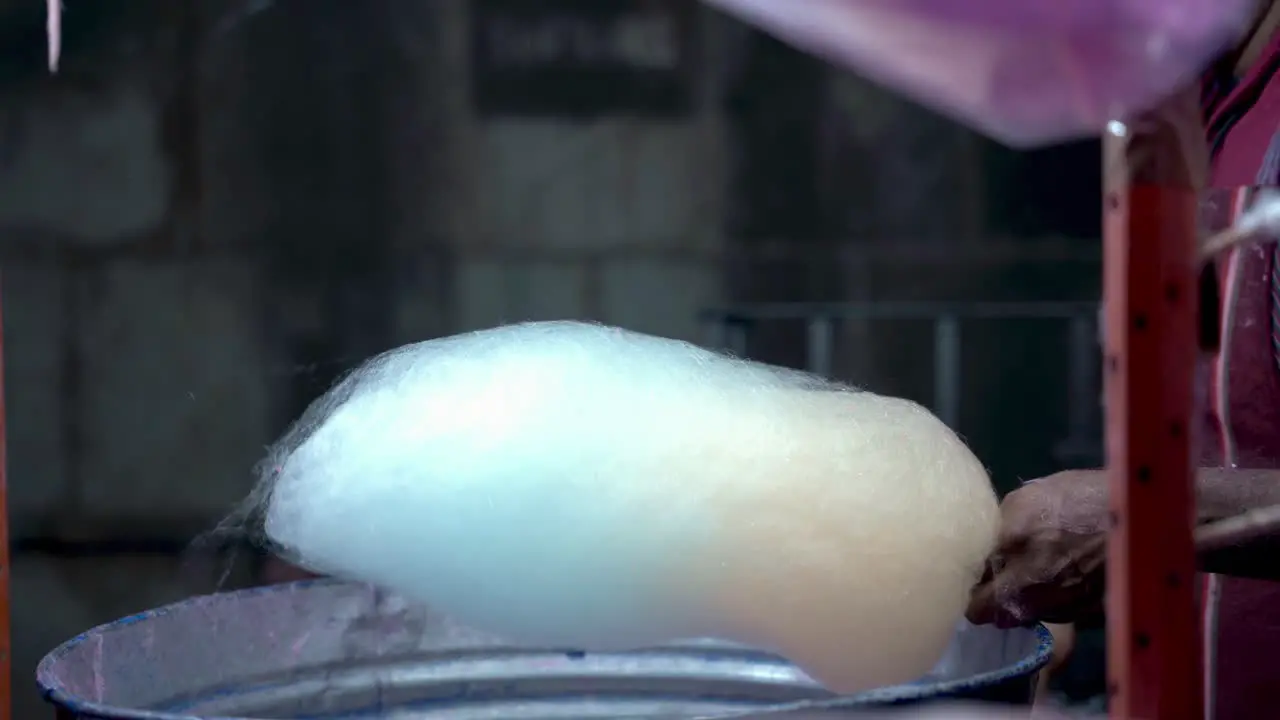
(1025, 72)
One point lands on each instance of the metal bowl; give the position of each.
(326, 649)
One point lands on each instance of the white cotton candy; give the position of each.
(585, 486)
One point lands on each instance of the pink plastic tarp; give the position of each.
(1026, 72)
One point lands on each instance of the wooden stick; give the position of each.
(1239, 530)
(53, 31)
(1224, 240)
(1258, 223)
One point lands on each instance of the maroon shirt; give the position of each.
(1242, 389)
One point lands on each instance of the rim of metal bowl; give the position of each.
(53, 692)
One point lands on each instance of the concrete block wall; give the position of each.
(35, 351)
(86, 168)
(576, 219)
(156, 346)
(654, 292)
(605, 185)
(172, 388)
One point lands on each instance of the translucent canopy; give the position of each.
(1026, 72)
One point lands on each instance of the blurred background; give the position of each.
(216, 207)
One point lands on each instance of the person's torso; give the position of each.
(1242, 398)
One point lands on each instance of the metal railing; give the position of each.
(729, 329)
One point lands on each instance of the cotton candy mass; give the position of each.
(587, 487)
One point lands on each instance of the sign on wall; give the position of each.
(582, 58)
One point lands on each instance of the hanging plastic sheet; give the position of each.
(1025, 72)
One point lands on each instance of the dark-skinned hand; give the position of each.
(1048, 565)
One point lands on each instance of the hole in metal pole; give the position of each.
(1210, 302)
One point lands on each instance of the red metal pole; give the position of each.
(1150, 294)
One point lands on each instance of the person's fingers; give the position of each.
(996, 603)
(1012, 616)
(982, 607)
(1064, 644)
(988, 573)
(980, 613)
(1007, 600)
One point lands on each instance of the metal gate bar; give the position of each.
(729, 329)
